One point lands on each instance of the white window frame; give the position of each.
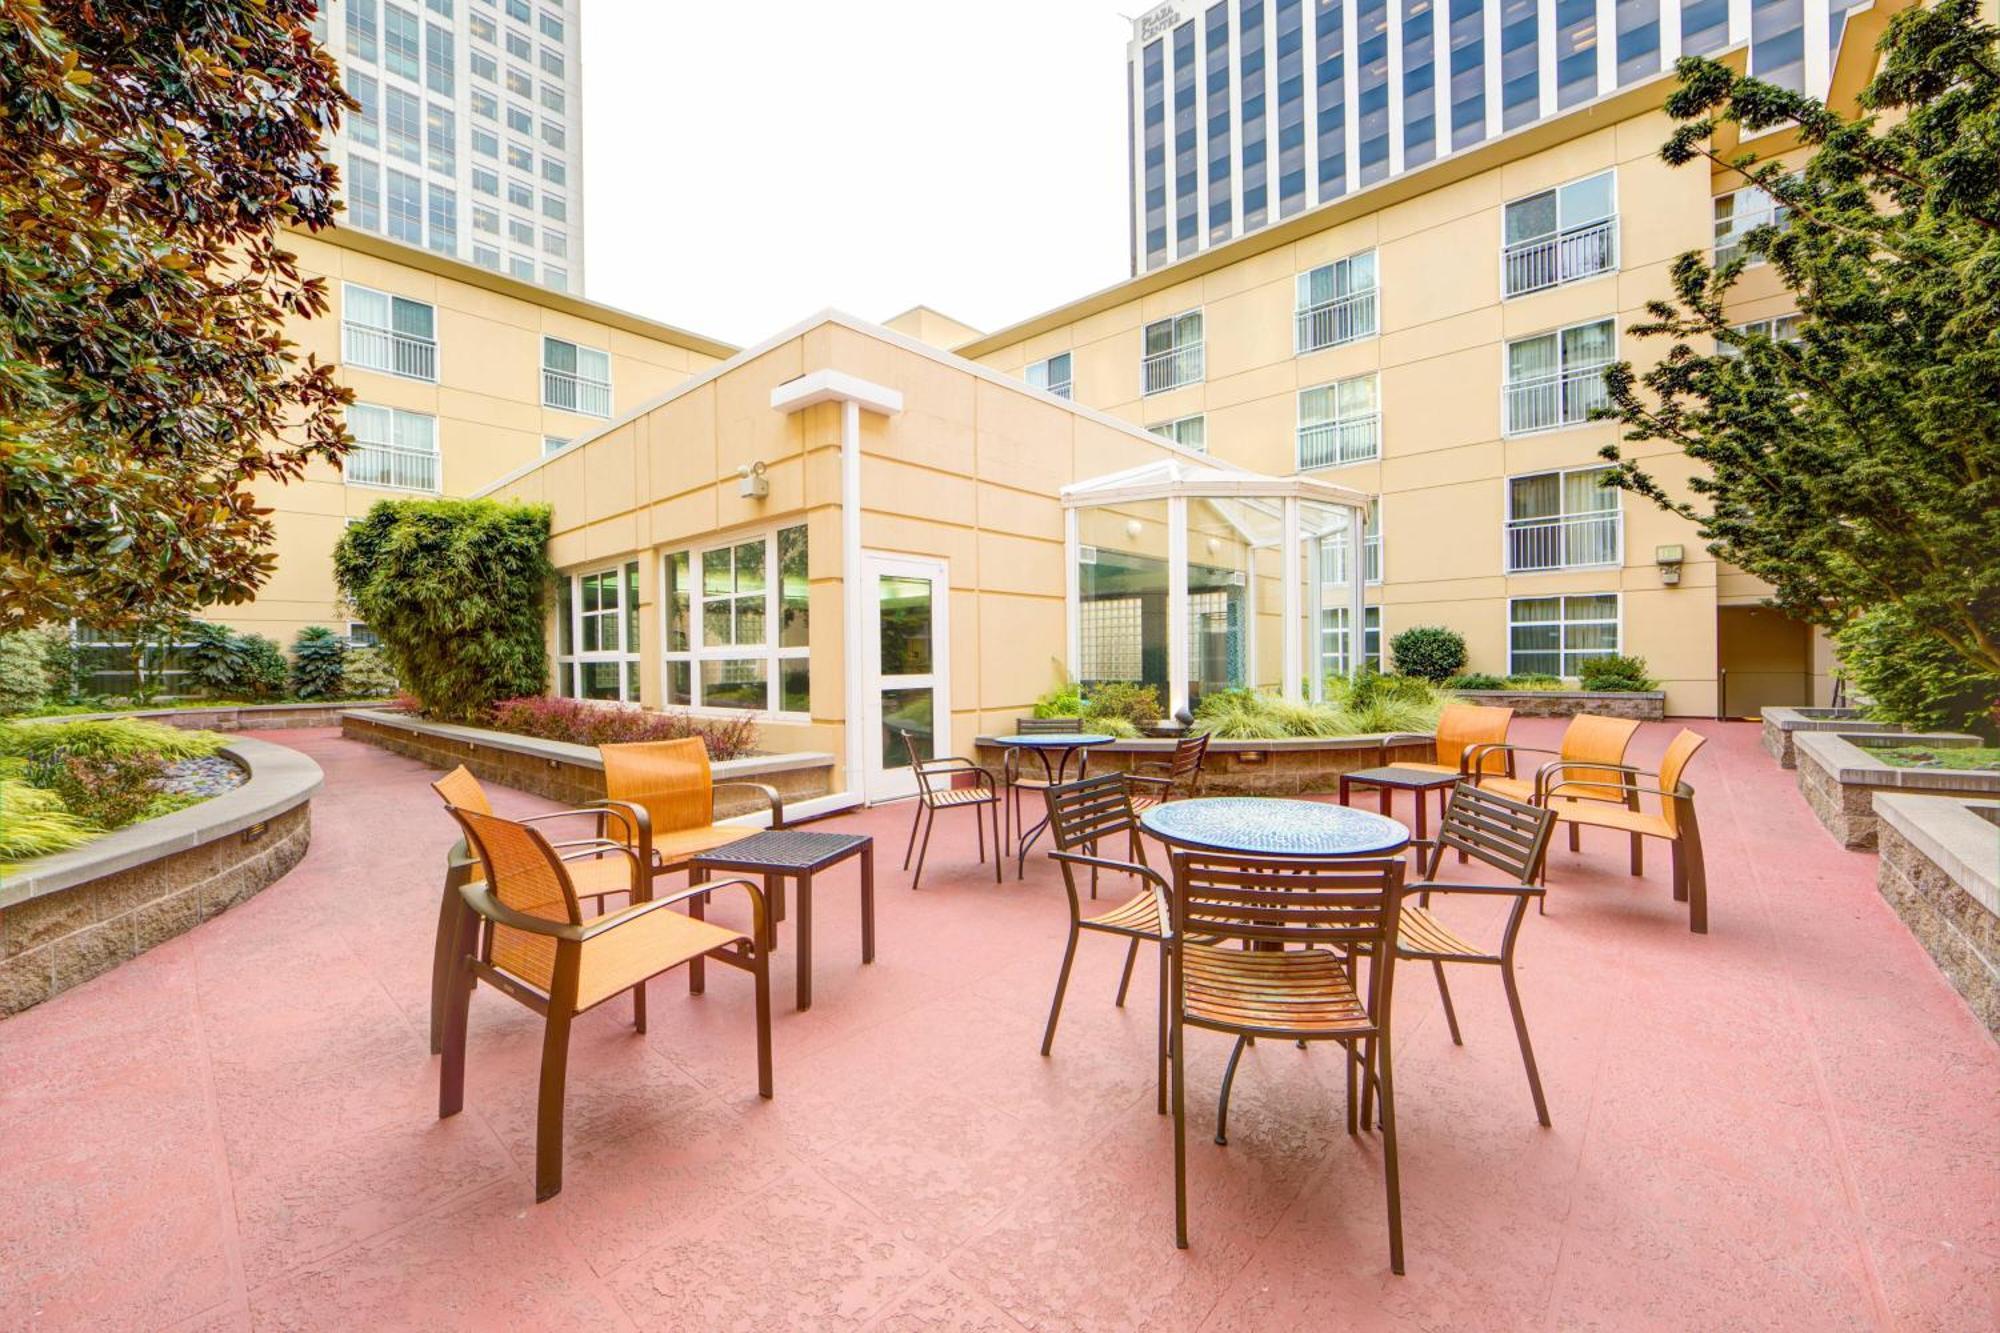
(1763, 210)
(1333, 661)
(1337, 427)
(770, 653)
(1564, 374)
(1177, 431)
(1039, 374)
(1333, 558)
(1179, 365)
(1563, 624)
(1341, 319)
(421, 469)
(569, 665)
(1779, 328)
(1554, 259)
(583, 391)
(1561, 526)
(406, 356)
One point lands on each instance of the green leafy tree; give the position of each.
(1858, 466)
(457, 590)
(149, 155)
(319, 663)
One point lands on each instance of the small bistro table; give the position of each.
(1063, 744)
(1272, 826)
(1391, 778)
(781, 854)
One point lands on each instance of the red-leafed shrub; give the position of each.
(583, 723)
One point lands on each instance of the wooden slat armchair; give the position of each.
(938, 789)
(1157, 781)
(1674, 822)
(526, 936)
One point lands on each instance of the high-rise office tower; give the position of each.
(469, 137)
(1243, 112)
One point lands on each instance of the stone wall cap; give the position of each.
(1851, 763)
(1608, 695)
(1953, 835)
(1821, 719)
(1165, 745)
(579, 756)
(280, 780)
(208, 710)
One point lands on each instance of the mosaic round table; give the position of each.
(1043, 744)
(1267, 826)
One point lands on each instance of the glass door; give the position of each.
(905, 610)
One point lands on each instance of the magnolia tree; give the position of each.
(1855, 468)
(148, 157)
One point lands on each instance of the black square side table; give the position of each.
(1394, 777)
(796, 854)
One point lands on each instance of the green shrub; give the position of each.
(319, 664)
(1430, 652)
(265, 668)
(1130, 700)
(223, 664)
(1535, 680)
(457, 590)
(123, 737)
(108, 791)
(1062, 701)
(24, 679)
(33, 822)
(1120, 727)
(368, 675)
(1388, 703)
(1615, 673)
(1476, 680)
(1908, 676)
(1375, 702)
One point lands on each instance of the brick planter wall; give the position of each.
(234, 717)
(68, 917)
(1781, 723)
(1644, 706)
(1940, 870)
(1839, 779)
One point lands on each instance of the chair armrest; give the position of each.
(1164, 765)
(1430, 886)
(1407, 737)
(1163, 895)
(1148, 781)
(479, 897)
(1543, 785)
(750, 887)
(638, 824)
(953, 765)
(770, 795)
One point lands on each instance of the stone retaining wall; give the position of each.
(1644, 706)
(1781, 723)
(1839, 779)
(1940, 870)
(234, 717)
(1246, 768)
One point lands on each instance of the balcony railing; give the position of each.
(1171, 369)
(392, 353)
(1342, 320)
(1568, 542)
(388, 465)
(1549, 401)
(1060, 389)
(567, 392)
(1549, 261)
(1333, 443)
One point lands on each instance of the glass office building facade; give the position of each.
(1245, 112)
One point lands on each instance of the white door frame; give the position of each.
(889, 778)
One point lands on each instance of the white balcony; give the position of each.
(1549, 401)
(1333, 443)
(1575, 541)
(568, 392)
(397, 469)
(391, 353)
(1566, 256)
(1171, 369)
(1331, 323)
(1059, 389)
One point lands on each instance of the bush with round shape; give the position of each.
(1062, 701)
(1615, 674)
(368, 675)
(1431, 652)
(1128, 700)
(265, 669)
(319, 664)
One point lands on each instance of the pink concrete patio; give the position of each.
(1791, 1122)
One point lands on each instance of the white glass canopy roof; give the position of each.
(1187, 479)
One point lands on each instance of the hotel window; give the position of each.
(552, 62)
(520, 194)
(1186, 168)
(484, 28)
(486, 256)
(1255, 122)
(1333, 552)
(553, 136)
(392, 448)
(554, 172)
(1340, 423)
(485, 180)
(1371, 64)
(441, 130)
(1215, 73)
(365, 126)
(576, 378)
(406, 208)
(1520, 64)
(737, 625)
(405, 124)
(443, 219)
(556, 279)
(440, 7)
(520, 232)
(551, 25)
(1334, 638)
(521, 121)
(552, 97)
(554, 207)
(484, 66)
(1562, 520)
(400, 43)
(519, 158)
(1552, 636)
(364, 193)
(1557, 379)
(1778, 43)
(1419, 90)
(1052, 375)
(519, 47)
(1330, 59)
(521, 267)
(597, 634)
(361, 29)
(1468, 72)
(1704, 26)
(553, 444)
(555, 243)
(486, 220)
(360, 635)
(1173, 353)
(1560, 235)
(1154, 91)
(1188, 432)
(485, 105)
(1576, 39)
(519, 84)
(485, 142)
(518, 9)
(439, 60)
(1336, 303)
(1782, 328)
(1638, 39)
(1738, 213)
(392, 334)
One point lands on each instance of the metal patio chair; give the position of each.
(937, 789)
(1179, 776)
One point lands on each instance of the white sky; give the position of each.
(748, 162)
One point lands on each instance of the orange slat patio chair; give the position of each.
(1674, 821)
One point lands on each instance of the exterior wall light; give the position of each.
(756, 486)
(1133, 527)
(1668, 558)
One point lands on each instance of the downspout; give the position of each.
(850, 593)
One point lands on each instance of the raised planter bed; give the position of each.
(65, 918)
(1839, 777)
(1780, 724)
(1643, 705)
(233, 717)
(1264, 768)
(1941, 872)
(572, 774)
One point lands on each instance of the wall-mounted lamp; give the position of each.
(1214, 545)
(1668, 558)
(1133, 527)
(756, 486)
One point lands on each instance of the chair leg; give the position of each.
(639, 1008)
(1062, 986)
(698, 965)
(1444, 993)
(1576, 837)
(1392, 1177)
(979, 831)
(1369, 1089)
(1222, 1101)
(1348, 1049)
(457, 1004)
(761, 976)
(930, 821)
(444, 961)
(1131, 956)
(1679, 874)
(1697, 884)
(1527, 1048)
(1638, 855)
(916, 817)
(549, 1108)
(999, 859)
(1161, 1071)
(1176, 1056)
